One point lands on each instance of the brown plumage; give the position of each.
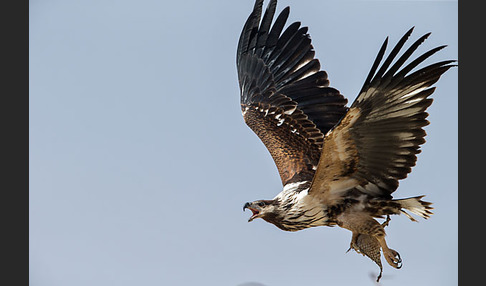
(339, 165)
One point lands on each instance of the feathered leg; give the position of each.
(369, 246)
(369, 237)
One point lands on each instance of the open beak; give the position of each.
(255, 211)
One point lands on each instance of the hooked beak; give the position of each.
(255, 211)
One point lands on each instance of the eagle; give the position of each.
(338, 165)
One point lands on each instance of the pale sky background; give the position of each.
(140, 161)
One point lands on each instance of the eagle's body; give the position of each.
(339, 165)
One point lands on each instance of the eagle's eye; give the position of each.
(261, 204)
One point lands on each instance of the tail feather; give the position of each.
(416, 206)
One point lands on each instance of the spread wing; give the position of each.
(285, 98)
(376, 142)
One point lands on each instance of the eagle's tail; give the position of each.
(416, 206)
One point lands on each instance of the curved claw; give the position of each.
(386, 222)
(393, 258)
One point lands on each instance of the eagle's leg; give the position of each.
(363, 226)
(368, 246)
(391, 255)
(358, 246)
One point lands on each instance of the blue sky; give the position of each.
(140, 161)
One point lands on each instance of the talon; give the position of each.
(352, 244)
(353, 247)
(385, 223)
(393, 258)
(398, 259)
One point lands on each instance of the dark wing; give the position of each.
(285, 98)
(376, 143)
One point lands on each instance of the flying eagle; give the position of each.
(339, 165)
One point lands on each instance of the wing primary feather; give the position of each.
(311, 66)
(275, 32)
(300, 67)
(427, 75)
(295, 50)
(405, 56)
(419, 60)
(392, 55)
(281, 44)
(264, 29)
(256, 20)
(249, 29)
(375, 65)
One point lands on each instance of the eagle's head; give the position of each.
(266, 209)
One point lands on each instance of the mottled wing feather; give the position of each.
(293, 152)
(376, 143)
(285, 97)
